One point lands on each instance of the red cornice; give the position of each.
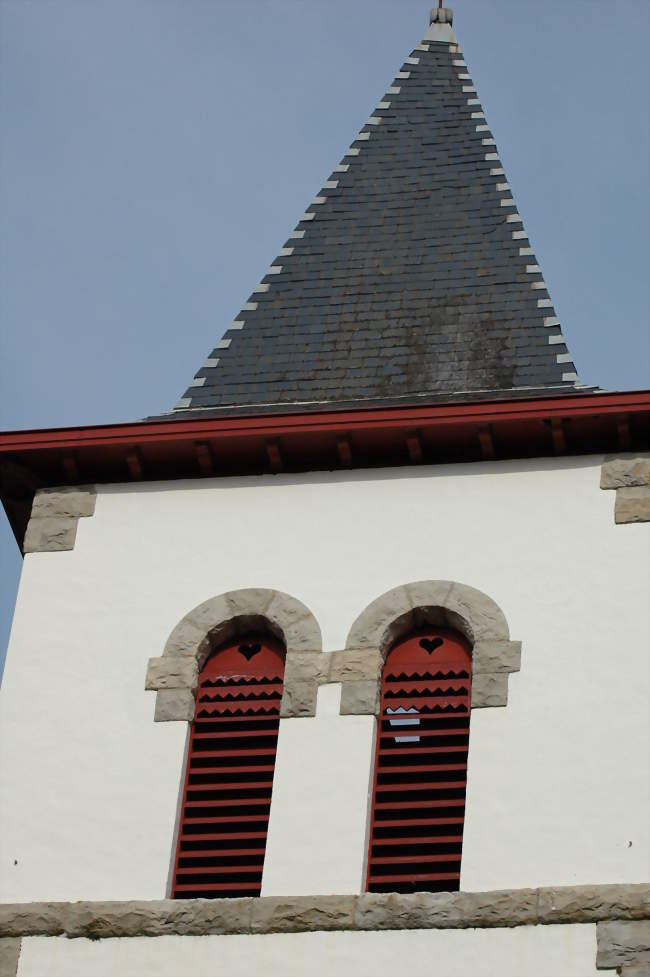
(317, 440)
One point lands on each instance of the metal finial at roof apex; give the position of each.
(441, 15)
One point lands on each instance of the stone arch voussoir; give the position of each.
(174, 676)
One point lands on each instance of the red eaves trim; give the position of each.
(274, 425)
(317, 441)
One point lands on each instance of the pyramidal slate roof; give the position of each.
(409, 275)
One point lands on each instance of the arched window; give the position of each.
(229, 777)
(418, 810)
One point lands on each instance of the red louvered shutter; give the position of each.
(229, 777)
(418, 809)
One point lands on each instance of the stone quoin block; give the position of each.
(632, 505)
(55, 514)
(49, 535)
(625, 471)
(9, 954)
(623, 943)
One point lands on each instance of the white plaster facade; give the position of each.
(533, 951)
(557, 781)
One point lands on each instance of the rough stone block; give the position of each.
(297, 623)
(489, 689)
(372, 629)
(305, 666)
(208, 615)
(187, 639)
(64, 502)
(32, 918)
(196, 917)
(50, 534)
(444, 910)
(298, 700)
(632, 505)
(355, 665)
(635, 970)
(300, 914)
(172, 672)
(174, 704)
(625, 470)
(496, 656)
(622, 942)
(9, 953)
(484, 617)
(360, 698)
(592, 903)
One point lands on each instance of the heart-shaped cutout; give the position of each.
(249, 651)
(430, 644)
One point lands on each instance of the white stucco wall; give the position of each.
(558, 789)
(533, 951)
(317, 841)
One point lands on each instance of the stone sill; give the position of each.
(272, 914)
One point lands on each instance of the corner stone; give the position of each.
(50, 535)
(9, 953)
(632, 505)
(622, 942)
(621, 472)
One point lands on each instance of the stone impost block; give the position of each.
(496, 656)
(622, 942)
(50, 534)
(64, 502)
(9, 953)
(489, 689)
(172, 672)
(301, 914)
(624, 471)
(174, 704)
(306, 666)
(632, 505)
(355, 665)
(360, 698)
(298, 700)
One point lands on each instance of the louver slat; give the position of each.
(418, 811)
(229, 777)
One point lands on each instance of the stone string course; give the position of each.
(55, 514)
(629, 476)
(370, 911)
(174, 676)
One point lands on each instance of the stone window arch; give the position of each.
(447, 604)
(228, 782)
(174, 675)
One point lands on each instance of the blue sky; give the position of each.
(155, 154)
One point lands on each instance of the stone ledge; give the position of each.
(55, 514)
(622, 943)
(301, 914)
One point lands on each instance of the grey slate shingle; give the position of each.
(407, 282)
